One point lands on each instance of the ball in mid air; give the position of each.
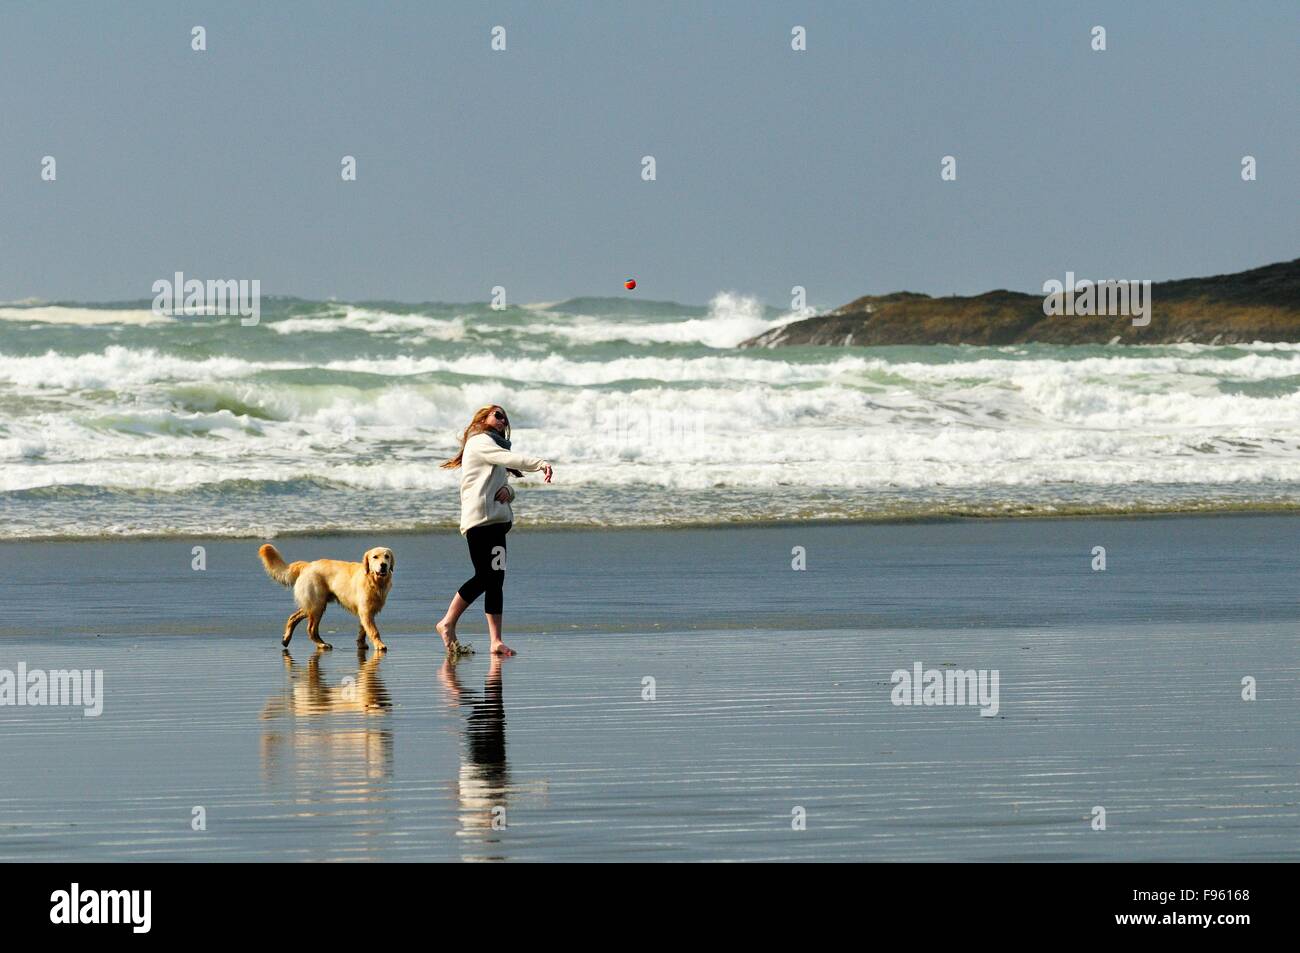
(629, 284)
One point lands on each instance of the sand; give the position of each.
(768, 731)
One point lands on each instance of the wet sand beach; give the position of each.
(771, 699)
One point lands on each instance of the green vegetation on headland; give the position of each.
(1262, 304)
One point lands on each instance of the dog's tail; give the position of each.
(286, 574)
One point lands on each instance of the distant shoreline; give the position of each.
(1259, 305)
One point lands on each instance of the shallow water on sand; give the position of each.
(1119, 689)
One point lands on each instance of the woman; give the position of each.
(485, 516)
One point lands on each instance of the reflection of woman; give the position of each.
(484, 778)
(485, 735)
(485, 517)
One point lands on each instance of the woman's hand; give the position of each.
(503, 495)
(546, 473)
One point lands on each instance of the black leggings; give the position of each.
(487, 579)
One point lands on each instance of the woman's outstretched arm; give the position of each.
(487, 448)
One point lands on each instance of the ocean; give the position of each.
(333, 417)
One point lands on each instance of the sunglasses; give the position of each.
(498, 415)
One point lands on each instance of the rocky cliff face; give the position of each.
(1262, 304)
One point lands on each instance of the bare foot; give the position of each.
(500, 648)
(448, 633)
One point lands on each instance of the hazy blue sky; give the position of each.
(522, 168)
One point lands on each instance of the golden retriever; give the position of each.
(361, 588)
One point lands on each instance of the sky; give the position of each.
(522, 168)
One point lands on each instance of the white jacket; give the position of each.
(482, 474)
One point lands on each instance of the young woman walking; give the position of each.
(484, 460)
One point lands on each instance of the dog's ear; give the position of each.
(392, 561)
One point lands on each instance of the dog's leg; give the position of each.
(368, 627)
(313, 630)
(292, 624)
(361, 637)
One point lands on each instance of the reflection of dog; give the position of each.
(308, 695)
(361, 588)
(320, 740)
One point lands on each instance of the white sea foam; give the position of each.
(119, 364)
(119, 367)
(53, 314)
(373, 322)
(731, 319)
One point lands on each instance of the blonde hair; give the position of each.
(477, 424)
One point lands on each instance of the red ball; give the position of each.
(630, 284)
